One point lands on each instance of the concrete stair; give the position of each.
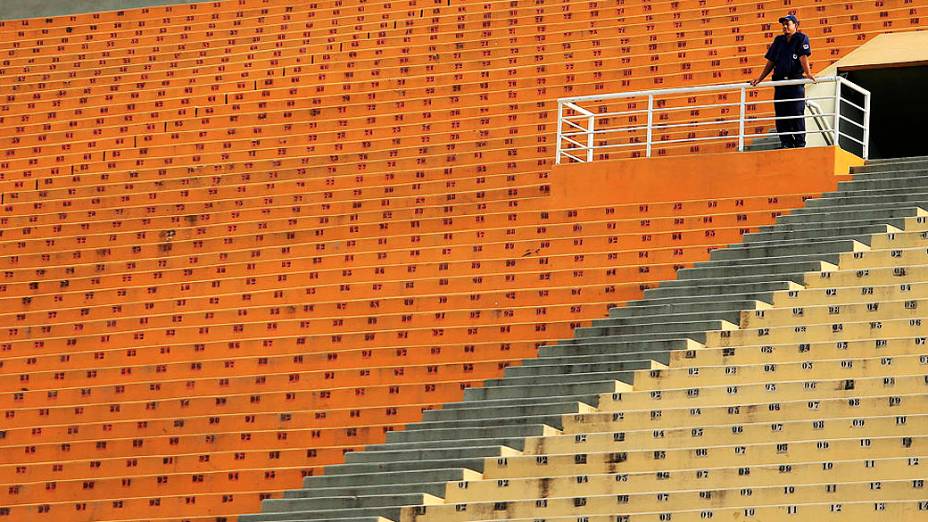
(450, 444)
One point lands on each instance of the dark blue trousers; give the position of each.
(790, 108)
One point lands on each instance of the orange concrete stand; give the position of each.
(702, 176)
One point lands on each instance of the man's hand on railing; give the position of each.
(768, 68)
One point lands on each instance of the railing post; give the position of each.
(650, 124)
(866, 140)
(837, 128)
(590, 128)
(741, 121)
(560, 130)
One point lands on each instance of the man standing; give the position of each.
(788, 58)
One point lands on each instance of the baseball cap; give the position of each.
(789, 17)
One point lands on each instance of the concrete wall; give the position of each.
(17, 9)
(700, 176)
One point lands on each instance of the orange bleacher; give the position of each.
(238, 239)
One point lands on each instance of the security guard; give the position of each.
(788, 58)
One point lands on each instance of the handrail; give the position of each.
(820, 122)
(688, 90)
(664, 123)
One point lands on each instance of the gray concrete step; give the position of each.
(883, 165)
(710, 285)
(595, 346)
(828, 217)
(277, 505)
(354, 519)
(787, 242)
(788, 249)
(544, 390)
(340, 515)
(568, 378)
(660, 357)
(764, 266)
(553, 420)
(516, 443)
(896, 221)
(499, 432)
(517, 401)
(450, 453)
(697, 315)
(885, 161)
(583, 334)
(648, 338)
(879, 183)
(438, 474)
(761, 297)
(432, 488)
(695, 330)
(698, 286)
(514, 373)
(859, 207)
(357, 468)
(567, 346)
(644, 310)
(695, 336)
(901, 171)
(858, 232)
(554, 406)
(761, 288)
(863, 197)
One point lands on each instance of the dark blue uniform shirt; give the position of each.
(785, 56)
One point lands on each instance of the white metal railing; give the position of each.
(640, 122)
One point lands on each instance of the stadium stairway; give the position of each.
(452, 444)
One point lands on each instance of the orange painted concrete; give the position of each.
(704, 176)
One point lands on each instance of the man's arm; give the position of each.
(767, 69)
(804, 60)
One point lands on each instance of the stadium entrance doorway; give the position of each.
(899, 107)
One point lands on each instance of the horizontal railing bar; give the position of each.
(685, 140)
(692, 107)
(852, 104)
(694, 124)
(845, 118)
(607, 114)
(730, 137)
(608, 131)
(774, 118)
(682, 90)
(619, 145)
(585, 132)
(855, 140)
(689, 107)
(823, 131)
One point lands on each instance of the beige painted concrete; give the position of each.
(891, 49)
(885, 50)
